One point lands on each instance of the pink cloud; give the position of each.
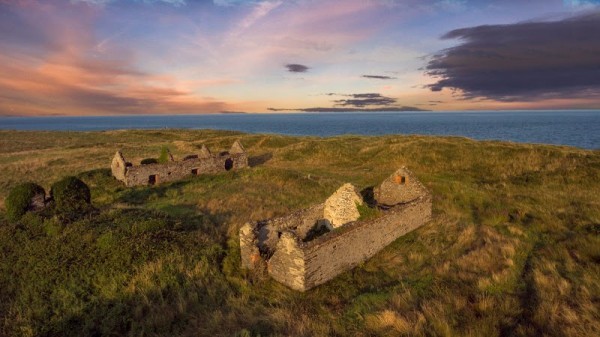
(70, 73)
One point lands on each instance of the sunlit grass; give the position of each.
(512, 249)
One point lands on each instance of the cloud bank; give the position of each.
(527, 61)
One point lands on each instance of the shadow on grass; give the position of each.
(260, 159)
(141, 195)
(369, 196)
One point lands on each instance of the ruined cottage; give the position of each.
(203, 162)
(312, 246)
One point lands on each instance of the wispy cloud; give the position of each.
(379, 77)
(53, 70)
(260, 10)
(104, 2)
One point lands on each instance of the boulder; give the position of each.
(401, 187)
(341, 206)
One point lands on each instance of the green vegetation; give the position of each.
(147, 161)
(19, 199)
(513, 249)
(367, 212)
(71, 197)
(165, 155)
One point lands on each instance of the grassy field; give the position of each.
(513, 249)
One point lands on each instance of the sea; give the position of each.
(579, 128)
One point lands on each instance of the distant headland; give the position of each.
(319, 109)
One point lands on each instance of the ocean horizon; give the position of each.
(579, 128)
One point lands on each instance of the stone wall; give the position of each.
(152, 174)
(328, 256)
(288, 264)
(303, 265)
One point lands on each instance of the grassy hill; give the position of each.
(513, 249)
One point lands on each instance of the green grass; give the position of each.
(512, 249)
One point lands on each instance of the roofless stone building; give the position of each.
(312, 246)
(156, 173)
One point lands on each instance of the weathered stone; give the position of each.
(152, 174)
(248, 247)
(118, 166)
(341, 206)
(204, 152)
(287, 264)
(304, 265)
(400, 187)
(237, 148)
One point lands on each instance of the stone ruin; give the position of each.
(191, 165)
(312, 246)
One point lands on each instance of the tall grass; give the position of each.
(512, 249)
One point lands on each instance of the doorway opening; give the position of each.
(228, 164)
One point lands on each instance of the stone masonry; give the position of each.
(302, 263)
(341, 207)
(204, 162)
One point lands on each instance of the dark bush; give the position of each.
(149, 161)
(71, 197)
(24, 197)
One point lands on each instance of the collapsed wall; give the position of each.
(303, 264)
(156, 173)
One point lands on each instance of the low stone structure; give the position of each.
(204, 162)
(298, 259)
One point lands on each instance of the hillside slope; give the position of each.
(513, 250)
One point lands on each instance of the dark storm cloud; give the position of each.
(379, 77)
(296, 68)
(523, 62)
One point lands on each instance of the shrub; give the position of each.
(71, 197)
(19, 200)
(149, 161)
(165, 155)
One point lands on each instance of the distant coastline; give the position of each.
(389, 109)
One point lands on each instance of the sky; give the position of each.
(109, 57)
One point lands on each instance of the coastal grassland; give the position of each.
(513, 248)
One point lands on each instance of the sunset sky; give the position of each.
(100, 57)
